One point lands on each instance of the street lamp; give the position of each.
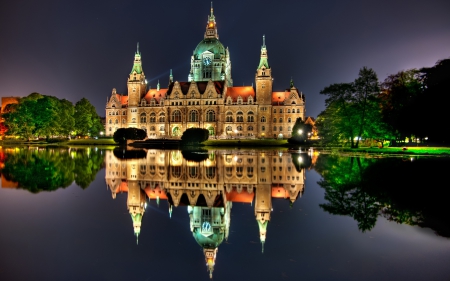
(300, 131)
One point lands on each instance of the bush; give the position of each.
(194, 136)
(123, 134)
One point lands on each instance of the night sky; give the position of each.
(73, 49)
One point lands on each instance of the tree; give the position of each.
(352, 110)
(194, 136)
(123, 134)
(87, 121)
(300, 131)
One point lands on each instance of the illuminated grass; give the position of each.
(246, 143)
(399, 150)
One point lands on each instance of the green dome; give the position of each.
(210, 242)
(210, 44)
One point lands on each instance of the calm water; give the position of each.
(90, 214)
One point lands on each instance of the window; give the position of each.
(240, 117)
(263, 128)
(143, 118)
(250, 117)
(281, 128)
(289, 129)
(152, 117)
(298, 110)
(250, 128)
(110, 121)
(289, 111)
(123, 121)
(289, 120)
(161, 128)
(263, 119)
(274, 110)
(281, 120)
(176, 116)
(229, 128)
(152, 128)
(274, 120)
(229, 117)
(239, 128)
(210, 116)
(162, 117)
(193, 116)
(210, 172)
(281, 110)
(133, 120)
(274, 128)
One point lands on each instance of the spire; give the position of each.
(211, 29)
(263, 62)
(137, 65)
(170, 77)
(137, 52)
(157, 88)
(292, 83)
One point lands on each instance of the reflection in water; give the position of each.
(46, 169)
(406, 191)
(208, 187)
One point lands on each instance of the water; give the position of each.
(84, 214)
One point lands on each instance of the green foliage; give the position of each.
(123, 134)
(45, 116)
(365, 188)
(300, 132)
(194, 136)
(49, 169)
(88, 122)
(352, 111)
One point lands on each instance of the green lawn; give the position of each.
(246, 142)
(399, 150)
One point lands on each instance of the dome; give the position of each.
(210, 242)
(210, 44)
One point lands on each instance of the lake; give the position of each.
(225, 214)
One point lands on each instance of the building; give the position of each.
(208, 189)
(207, 99)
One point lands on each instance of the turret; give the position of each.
(263, 78)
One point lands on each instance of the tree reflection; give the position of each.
(401, 190)
(47, 169)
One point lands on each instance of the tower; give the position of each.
(211, 60)
(263, 78)
(137, 86)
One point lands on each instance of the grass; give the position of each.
(397, 150)
(246, 143)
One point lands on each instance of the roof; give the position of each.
(155, 93)
(184, 86)
(212, 45)
(244, 92)
(243, 197)
(281, 96)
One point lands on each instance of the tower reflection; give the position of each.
(208, 186)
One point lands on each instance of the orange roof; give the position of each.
(279, 97)
(154, 93)
(123, 187)
(245, 92)
(123, 99)
(279, 192)
(154, 193)
(243, 197)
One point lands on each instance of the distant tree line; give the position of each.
(409, 104)
(46, 116)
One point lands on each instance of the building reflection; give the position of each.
(208, 187)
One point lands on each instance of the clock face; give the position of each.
(207, 61)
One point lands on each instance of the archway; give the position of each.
(211, 131)
(176, 131)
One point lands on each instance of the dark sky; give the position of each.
(73, 49)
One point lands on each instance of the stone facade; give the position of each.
(207, 100)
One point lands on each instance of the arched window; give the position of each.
(274, 110)
(110, 121)
(250, 100)
(229, 128)
(229, 117)
(143, 118)
(281, 110)
(274, 128)
(124, 121)
(117, 121)
(133, 120)
(239, 128)
(281, 120)
(250, 128)
(161, 128)
(229, 100)
(176, 116)
(289, 120)
(239, 100)
(152, 128)
(193, 116)
(263, 119)
(250, 117)
(298, 110)
(210, 116)
(263, 128)
(274, 120)
(210, 172)
(289, 111)
(240, 117)
(162, 117)
(152, 117)
(281, 128)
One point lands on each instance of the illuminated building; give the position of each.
(207, 99)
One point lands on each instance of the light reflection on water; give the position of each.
(191, 215)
